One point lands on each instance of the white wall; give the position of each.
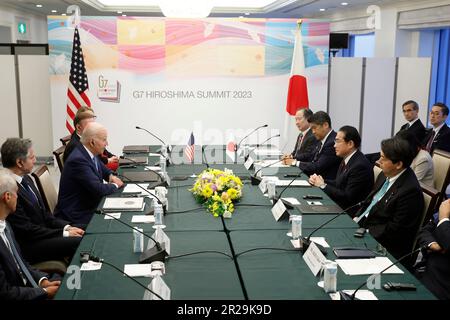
(9, 128)
(37, 25)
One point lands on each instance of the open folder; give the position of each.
(123, 204)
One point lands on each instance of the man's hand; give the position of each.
(316, 180)
(435, 247)
(75, 232)
(51, 287)
(444, 210)
(113, 159)
(114, 179)
(288, 161)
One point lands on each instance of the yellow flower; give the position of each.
(233, 193)
(207, 191)
(225, 197)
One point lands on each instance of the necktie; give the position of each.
(22, 267)
(430, 141)
(96, 163)
(299, 142)
(25, 184)
(342, 166)
(375, 199)
(316, 154)
(408, 125)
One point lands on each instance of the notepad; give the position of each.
(138, 270)
(142, 219)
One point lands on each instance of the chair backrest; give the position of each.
(65, 140)
(441, 163)
(376, 171)
(59, 153)
(46, 187)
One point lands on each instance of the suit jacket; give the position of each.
(441, 140)
(11, 283)
(75, 141)
(395, 219)
(32, 222)
(307, 149)
(417, 129)
(326, 162)
(437, 273)
(81, 187)
(353, 182)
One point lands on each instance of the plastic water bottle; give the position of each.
(296, 226)
(138, 240)
(162, 163)
(158, 214)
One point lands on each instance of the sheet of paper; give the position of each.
(298, 183)
(292, 201)
(91, 266)
(267, 151)
(361, 295)
(114, 214)
(142, 219)
(138, 270)
(124, 204)
(151, 154)
(367, 266)
(133, 188)
(154, 168)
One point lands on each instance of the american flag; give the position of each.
(78, 84)
(189, 151)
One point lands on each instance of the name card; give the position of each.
(279, 210)
(263, 186)
(314, 258)
(160, 236)
(248, 164)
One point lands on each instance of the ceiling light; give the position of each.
(124, 15)
(247, 13)
(64, 14)
(322, 9)
(54, 11)
(241, 17)
(39, 6)
(119, 12)
(185, 9)
(344, 3)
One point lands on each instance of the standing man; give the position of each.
(395, 206)
(325, 162)
(306, 142)
(81, 185)
(18, 281)
(41, 236)
(354, 178)
(414, 125)
(438, 137)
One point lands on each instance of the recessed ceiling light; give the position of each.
(247, 13)
(39, 5)
(64, 14)
(54, 11)
(124, 15)
(344, 3)
(119, 12)
(240, 17)
(322, 9)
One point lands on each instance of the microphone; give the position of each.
(346, 296)
(236, 147)
(287, 204)
(155, 253)
(306, 242)
(164, 144)
(257, 180)
(270, 138)
(86, 256)
(204, 157)
(162, 181)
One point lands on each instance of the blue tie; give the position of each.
(375, 199)
(28, 189)
(96, 164)
(24, 270)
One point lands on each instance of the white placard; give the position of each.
(367, 266)
(142, 219)
(159, 287)
(296, 183)
(292, 201)
(263, 186)
(91, 266)
(278, 210)
(248, 164)
(113, 214)
(134, 188)
(138, 270)
(160, 236)
(314, 258)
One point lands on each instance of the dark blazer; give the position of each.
(441, 140)
(75, 141)
(11, 284)
(353, 182)
(394, 221)
(33, 222)
(307, 149)
(417, 129)
(81, 187)
(325, 162)
(437, 273)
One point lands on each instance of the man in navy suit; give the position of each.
(393, 210)
(81, 185)
(18, 281)
(436, 237)
(325, 161)
(354, 178)
(306, 142)
(41, 236)
(414, 125)
(438, 137)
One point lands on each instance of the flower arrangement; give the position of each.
(217, 190)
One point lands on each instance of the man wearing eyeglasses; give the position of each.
(438, 137)
(413, 125)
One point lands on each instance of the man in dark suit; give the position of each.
(354, 178)
(18, 281)
(393, 210)
(414, 125)
(306, 142)
(438, 137)
(436, 237)
(81, 185)
(325, 161)
(41, 236)
(82, 118)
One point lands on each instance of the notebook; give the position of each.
(305, 208)
(353, 253)
(136, 149)
(133, 160)
(145, 176)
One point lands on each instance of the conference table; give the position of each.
(276, 271)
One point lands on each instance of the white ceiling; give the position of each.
(280, 9)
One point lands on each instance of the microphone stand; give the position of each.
(164, 144)
(255, 180)
(162, 181)
(236, 147)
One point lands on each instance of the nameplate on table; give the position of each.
(91, 266)
(279, 210)
(132, 204)
(263, 186)
(248, 164)
(314, 258)
(160, 236)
